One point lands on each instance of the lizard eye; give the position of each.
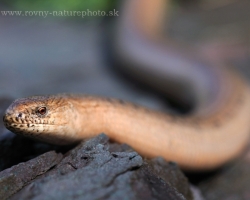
(41, 110)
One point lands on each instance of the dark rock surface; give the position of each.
(92, 170)
(16, 177)
(231, 182)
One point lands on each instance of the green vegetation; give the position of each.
(74, 5)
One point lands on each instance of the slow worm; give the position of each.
(216, 132)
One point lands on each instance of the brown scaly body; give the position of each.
(194, 142)
(215, 133)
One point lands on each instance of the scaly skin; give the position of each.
(214, 134)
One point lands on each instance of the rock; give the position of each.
(16, 177)
(98, 169)
(230, 182)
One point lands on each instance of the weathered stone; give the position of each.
(16, 177)
(92, 171)
(230, 182)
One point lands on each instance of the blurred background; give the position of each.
(55, 54)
